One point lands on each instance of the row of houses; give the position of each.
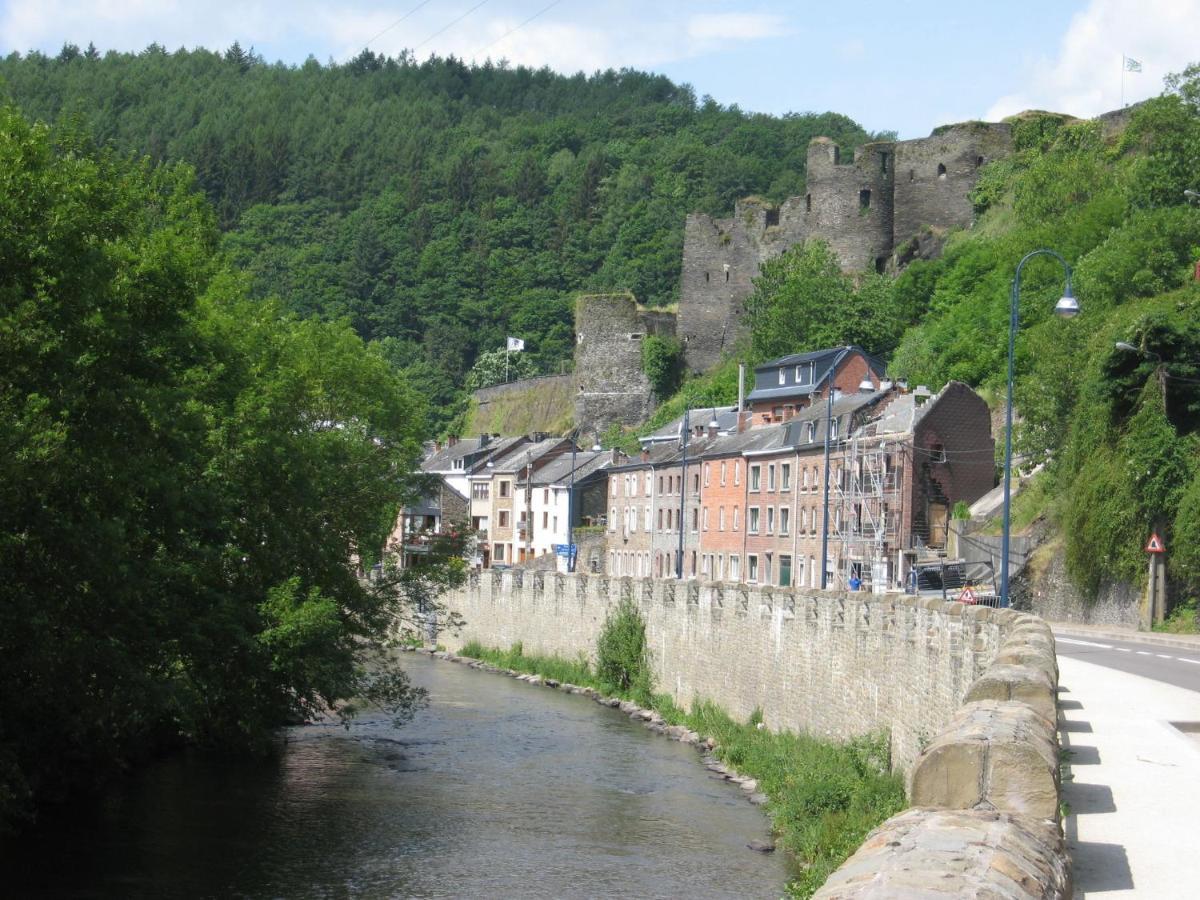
(516, 495)
(826, 460)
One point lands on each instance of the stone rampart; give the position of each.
(986, 794)
(968, 695)
(833, 664)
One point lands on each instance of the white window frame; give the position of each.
(752, 520)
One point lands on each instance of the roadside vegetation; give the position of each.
(823, 796)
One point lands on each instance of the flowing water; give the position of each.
(498, 789)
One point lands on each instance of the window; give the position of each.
(803, 520)
(648, 521)
(804, 483)
(812, 432)
(804, 373)
(504, 487)
(670, 520)
(504, 518)
(612, 519)
(498, 552)
(785, 477)
(808, 202)
(751, 567)
(737, 472)
(660, 484)
(937, 453)
(816, 483)
(785, 571)
(722, 473)
(696, 483)
(735, 567)
(864, 199)
(770, 520)
(545, 519)
(770, 478)
(735, 518)
(833, 429)
(649, 482)
(480, 490)
(707, 468)
(545, 495)
(660, 512)
(752, 520)
(720, 518)
(942, 171)
(706, 518)
(755, 477)
(785, 515)
(782, 376)
(706, 564)
(695, 525)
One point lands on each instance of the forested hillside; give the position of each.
(436, 205)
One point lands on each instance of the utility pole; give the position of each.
(683, 491)
(571, 505)
(825, 493)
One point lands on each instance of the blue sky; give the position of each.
(905, 67)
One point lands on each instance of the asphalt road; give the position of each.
(1171, 665)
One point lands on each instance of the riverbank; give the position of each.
(822, 797)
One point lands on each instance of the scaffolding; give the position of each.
(865, 513)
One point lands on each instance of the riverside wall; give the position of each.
(834, 664)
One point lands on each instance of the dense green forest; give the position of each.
(186, 473)
(435, 205)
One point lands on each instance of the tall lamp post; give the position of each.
(1067, 307)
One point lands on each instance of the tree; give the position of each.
(185, 477)
(493, 366)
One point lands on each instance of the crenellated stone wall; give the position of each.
(833, 664)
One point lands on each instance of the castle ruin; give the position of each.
(869, 210)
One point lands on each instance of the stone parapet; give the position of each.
(936, 853)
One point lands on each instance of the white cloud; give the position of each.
(568, 39)
(1084, 78)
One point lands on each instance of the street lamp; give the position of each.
(1067, 307)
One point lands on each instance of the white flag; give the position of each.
(1132, 65)
(515, 344)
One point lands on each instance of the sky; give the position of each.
(904, 67)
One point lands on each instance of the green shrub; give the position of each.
(662, 361)
(622, 657)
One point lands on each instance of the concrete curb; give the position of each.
(1156, 639)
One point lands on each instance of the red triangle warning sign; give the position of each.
(1155, 544)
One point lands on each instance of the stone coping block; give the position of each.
(994, 754)
(933, 853)
(1026, 683)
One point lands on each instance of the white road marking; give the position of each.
(1144, 653)
(1163, 656)
(1123, 649)
(1063, 640)
(1185, 659)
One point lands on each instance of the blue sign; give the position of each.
(566, 549)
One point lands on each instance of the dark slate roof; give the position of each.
(470, 452)
(521, 456)
(726, 417)
(558, 471)
(766, 381)
(764, 438)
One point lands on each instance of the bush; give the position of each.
(622, 657)
(662, 361)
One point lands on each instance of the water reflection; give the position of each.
(499, 789)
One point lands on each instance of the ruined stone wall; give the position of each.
(849, 203)
(610, 386)
(838, 665)
(935, 176)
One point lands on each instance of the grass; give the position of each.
(539, 407)
(823, 796)
(1182, 619)
(1032, 502)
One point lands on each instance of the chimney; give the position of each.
(645, 454)
(743, 421)
(451, 440)
(742, 387)
(484, 440)
(615, 456)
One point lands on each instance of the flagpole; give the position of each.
(1122, 81)
(506, 355)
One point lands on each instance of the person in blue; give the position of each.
(855, 583)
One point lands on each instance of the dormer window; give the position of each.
(804, 373)
(458, 464)
(782, 376)
(812, 432)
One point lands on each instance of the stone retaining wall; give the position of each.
(986, 795)
(835, 664)
(968, 695)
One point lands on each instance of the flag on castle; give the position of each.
(515, 345)
(1131, 64)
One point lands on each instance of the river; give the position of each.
(498, 789)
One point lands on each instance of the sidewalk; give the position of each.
(1113, 633)
(1133, 788)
